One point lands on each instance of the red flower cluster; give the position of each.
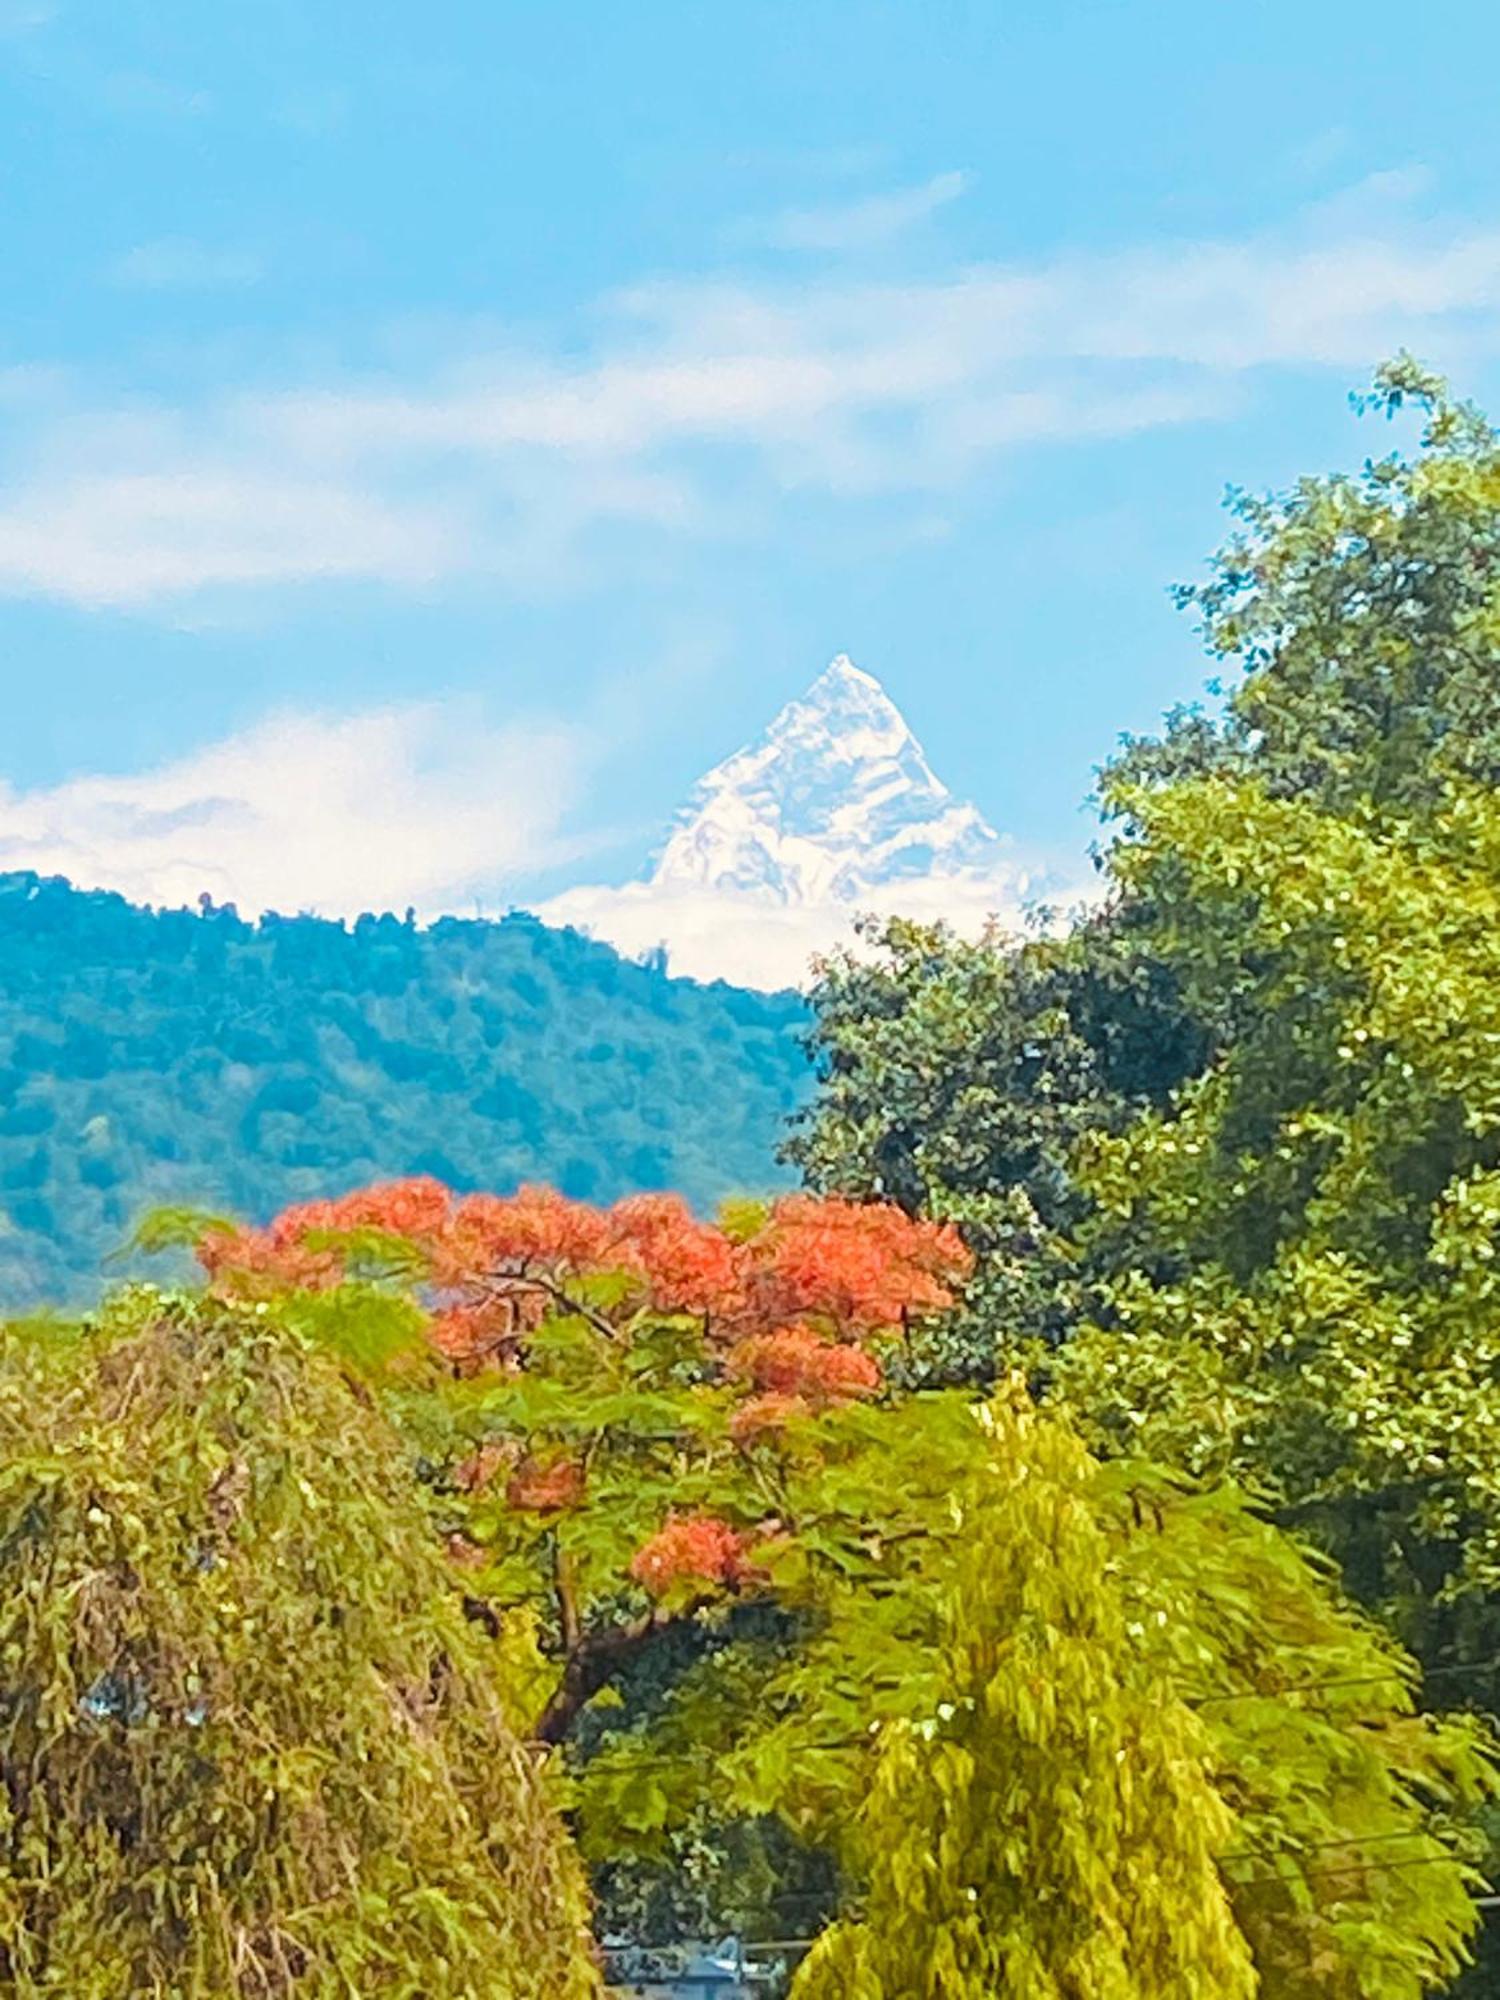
(536, 1483)
(863, 1265)
(251, 1263)
(301, 1252)
(411, 1208)
(471, 1332)
(691, 1266)
(496, 1265)
(762, 1416)
(796, 1361)
(535, 1227)
(692, 1546)
(543, 1486)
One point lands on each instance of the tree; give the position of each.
(598, 1423)
(1141, 1752)
(957, 1077)
(735, 1564)
(1303, 1235)
(1052, 1826)
(1276, 1266)
(1318, 1211)
(1361, 615)
(250, 1745)
(603, 1374)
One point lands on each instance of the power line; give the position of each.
(867, 1738)
(1355, 1868)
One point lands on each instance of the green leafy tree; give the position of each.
(1360, 617)
(1141, 1750)
(738, 1570)
(1360, 612)
(957, 1077)
(1304, 1243)
(1277, 1267)
(250, 1745)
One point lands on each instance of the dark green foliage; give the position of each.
(1281, 1264)
(158, 1057)
(957, 1078)
(251, 1746)
(1360, 610)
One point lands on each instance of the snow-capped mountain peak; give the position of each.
(833, 811)
(834, 800)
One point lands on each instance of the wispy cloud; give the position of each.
(24, 17)
(130, 538)
(862, 225)
(179, 263)
(691, 406)
(423, 805)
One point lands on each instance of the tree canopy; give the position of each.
(250, 1745)
(1240, 1216)
(149, 1057)
(740, 1574)
(1360, 617)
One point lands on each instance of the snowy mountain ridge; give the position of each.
(832, 812)
(834, 802)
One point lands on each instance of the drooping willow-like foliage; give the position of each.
(249, 1743)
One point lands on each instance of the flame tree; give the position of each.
(650, 1438)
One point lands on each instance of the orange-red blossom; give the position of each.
(854, 1268)
(694, 1548)
(787, 1314)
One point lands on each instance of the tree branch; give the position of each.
(504, 1284)
(586, 1668)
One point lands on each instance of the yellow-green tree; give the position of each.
(1052, 1827)
(1142, 1753)
(250, 1746)
(1304, 1247)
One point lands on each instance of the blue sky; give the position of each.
(433, 435)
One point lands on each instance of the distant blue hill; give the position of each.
(152, 1057)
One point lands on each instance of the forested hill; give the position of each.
(151, 1057)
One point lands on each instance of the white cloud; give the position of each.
(866, 224)
(129, 537)
(695, 405)
(180, 264)
(422, 805)
(718, 934)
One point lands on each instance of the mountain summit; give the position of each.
(833, 812)
(832, 803)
